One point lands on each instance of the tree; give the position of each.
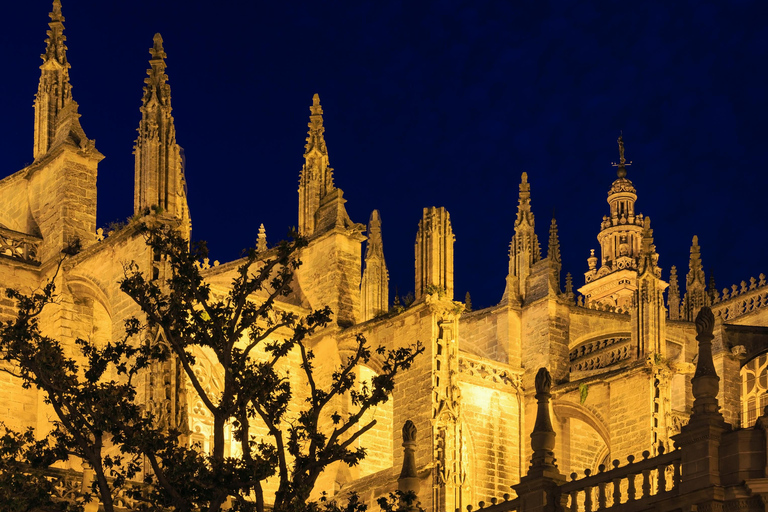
(250, 338)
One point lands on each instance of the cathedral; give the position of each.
(621, 345)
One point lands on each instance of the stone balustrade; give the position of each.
(505, 505)
(645, 482)
(741, 299)
(19, 246)
(600, 353)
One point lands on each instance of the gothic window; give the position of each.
(754, 384)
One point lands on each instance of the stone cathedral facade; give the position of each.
(621, 347)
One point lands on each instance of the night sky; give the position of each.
(431, 104)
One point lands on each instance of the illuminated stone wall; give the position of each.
(621, 369)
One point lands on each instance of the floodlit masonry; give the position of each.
(620, 349)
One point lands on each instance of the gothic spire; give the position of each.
(673, 299)
(54, 91)
(695, 284)
(316, 178)
(374, 285)
(160, 185)
(524, 249)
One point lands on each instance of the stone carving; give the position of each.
(543, 381)
(486, 371)
(409, 432)
(19, 246)
(705, 322)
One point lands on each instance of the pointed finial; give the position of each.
(408, 481)
(621, 172)
(316, 108)
(695, 267)
(157, 90)
(316, 137)
(648, 256)
(56, 14)
(157, 50)
(543, 435)
(375, 245)
(705, 382)
(467, 303)
(553, 251)
(524, 201)
(261, 242)
(54, 45)
(673, 295)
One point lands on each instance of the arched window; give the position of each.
(754, 384)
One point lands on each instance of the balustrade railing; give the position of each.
(645, 481)
(601, 353)
(496, 505)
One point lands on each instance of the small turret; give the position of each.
(695, 284)
(160, 185)
(374, 287)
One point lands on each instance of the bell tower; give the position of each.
(612, 278)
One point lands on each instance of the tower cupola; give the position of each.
(620, 240)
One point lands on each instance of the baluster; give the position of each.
(574, 501)
(588, 499)
(616, 491)
(631, 487)
(630, 480)
(646, 483)
(676, 475)
(662, 478)
(601, 495)
(616, 485)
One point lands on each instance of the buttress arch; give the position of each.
(599, 435)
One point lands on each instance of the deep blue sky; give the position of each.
(431, 104)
